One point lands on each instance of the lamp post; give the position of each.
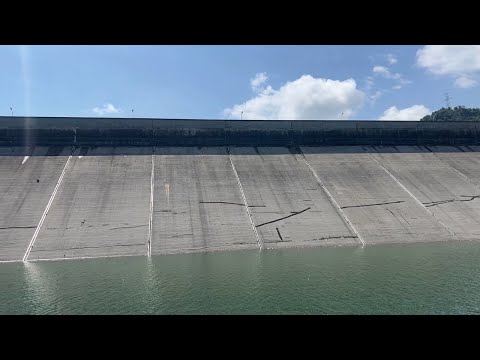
(11, 111)
(241, 115)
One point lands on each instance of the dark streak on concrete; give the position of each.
(334, 237)
(285, 217)
(228, 203)
(180, 235)
(18, 227)
(279, 235)
(127, 227)
(384, 203)
(435, 203)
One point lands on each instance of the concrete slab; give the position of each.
(197, 202)
(101, 207)
(454, 200)
(466, 160)
(22, 198)
(277, 184)
(379, 208)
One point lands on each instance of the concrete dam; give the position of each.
(94, 187)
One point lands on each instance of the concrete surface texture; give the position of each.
(379, 208)
(197, 202)
(22, 198)
(289, 207)
(145, 187)
(453, 198)
(101, 208)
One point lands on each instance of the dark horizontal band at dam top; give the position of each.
(189, 132)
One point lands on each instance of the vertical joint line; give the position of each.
(150, 219)
(411, 194)
(331, 198)
(252, 223)
(458, 172)
(45, 212)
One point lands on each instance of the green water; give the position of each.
(438, 278)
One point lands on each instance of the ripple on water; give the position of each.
(435, 278)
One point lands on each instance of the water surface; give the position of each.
(435, 278)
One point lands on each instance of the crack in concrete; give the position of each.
(411, 194)
(17, 227)
(435, 203)
(285, 217)
(279, 235)
(384, 203)
(180, 235)
(170, 211)
(334, 237)
(396, 218)
(228, 203)
(127, 227)
(277, 241)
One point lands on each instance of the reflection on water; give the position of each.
(39, 289)
(439, 278)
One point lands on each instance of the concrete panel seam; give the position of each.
(332, 199)
(458, 172)
(150, 220)
(247, 208)
(411, 194)
(52, 197)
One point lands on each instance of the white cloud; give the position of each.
(369, 83)
(465, 82)
(375, 96)
(306, 98)
(460, 61)
(106, 109)
(258, 81)
(450, 59)
(382, 70)
(415, 112)
(372, 94)
(385, 72)
(392, 59)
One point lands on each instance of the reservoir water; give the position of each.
(433, 278)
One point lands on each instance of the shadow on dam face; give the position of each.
(175, 132)
(55, 150)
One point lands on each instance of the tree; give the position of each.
(458, 113)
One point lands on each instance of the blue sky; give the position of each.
(227, 82)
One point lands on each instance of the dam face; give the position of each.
(82, 187)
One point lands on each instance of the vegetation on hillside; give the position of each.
(458, 113)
